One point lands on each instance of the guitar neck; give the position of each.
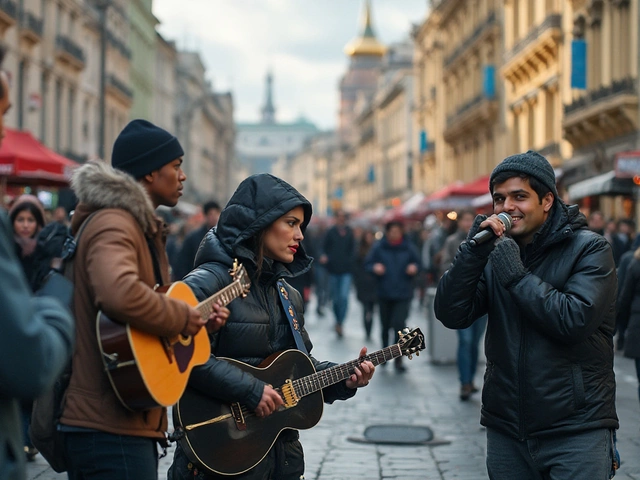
(330, 376)
(223, 296)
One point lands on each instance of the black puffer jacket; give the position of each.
(257, 326)
(629, 308)
(549, 341)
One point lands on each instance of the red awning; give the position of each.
(457, 195)
(24, 160)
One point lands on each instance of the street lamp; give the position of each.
(102, 7)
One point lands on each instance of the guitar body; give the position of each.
(230, 447)
(145, 370)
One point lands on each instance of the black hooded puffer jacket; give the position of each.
(257, 326)
(549, 342)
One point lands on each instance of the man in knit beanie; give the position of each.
(121, 257)
(548, 286)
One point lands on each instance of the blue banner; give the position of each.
(489, 82)
(423, 141)
(371, 174)
(579, 64)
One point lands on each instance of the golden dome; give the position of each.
(366, 43)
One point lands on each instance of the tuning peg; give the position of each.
(418, 353)
(410, 356)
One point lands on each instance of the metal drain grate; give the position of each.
(399, 435)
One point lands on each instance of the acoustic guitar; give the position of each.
(229, 439)
(148, 371)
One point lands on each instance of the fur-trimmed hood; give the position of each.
(98, 185)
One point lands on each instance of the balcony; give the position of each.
(607, 112)
(8, 14)
(480, 31)
(474, 114)
(68, 52)
(118, 45)
(31, 28)
(538, 49)
(120, 89)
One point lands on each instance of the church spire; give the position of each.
(366, 43)
(269, 111)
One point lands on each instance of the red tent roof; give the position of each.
(24, 160)
(460, 189)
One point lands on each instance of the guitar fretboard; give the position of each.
(330, 376)
(225, 296)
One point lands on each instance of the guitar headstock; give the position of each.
(411, 341)
(240, 275)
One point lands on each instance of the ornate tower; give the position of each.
(268, 111)
(365, 53)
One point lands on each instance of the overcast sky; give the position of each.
(301, 41)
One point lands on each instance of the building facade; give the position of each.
(204, 125)
(142, 40)
(61, 53)
(601, 119)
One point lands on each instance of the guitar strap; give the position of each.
(154, 258)
(291, 316)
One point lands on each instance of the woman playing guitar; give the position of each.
(262, 226)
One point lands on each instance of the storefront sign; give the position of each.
(627, 164)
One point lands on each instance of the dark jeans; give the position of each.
(340, 284)
(367, 316)
(468, 343)
(638, 374)
(104, 456)
(582, 455)
(393, 315)
(321, 284)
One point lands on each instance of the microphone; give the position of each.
(487, 234)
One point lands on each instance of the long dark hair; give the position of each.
(257, 244)
(33, 209)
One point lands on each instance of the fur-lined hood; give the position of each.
(98, 185)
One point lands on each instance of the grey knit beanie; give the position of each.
(531, 163)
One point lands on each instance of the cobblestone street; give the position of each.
(427, 394)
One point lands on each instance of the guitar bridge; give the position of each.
(238, 416)
(289, 394)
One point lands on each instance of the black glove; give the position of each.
(484, 249)
(506, 262)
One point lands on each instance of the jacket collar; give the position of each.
(98, 186)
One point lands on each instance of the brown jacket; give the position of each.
(114, 273)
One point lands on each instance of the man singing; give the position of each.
(548, 286)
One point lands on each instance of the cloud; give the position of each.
(301, 41)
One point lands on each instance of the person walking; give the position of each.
(549, 289)
(365, 282)
(119, 259)
(262, 226)
(191, 242)
(339, 250)
(37, 334)
(315, 240)
(628, 319)
(395, 261)
(468, 338)
(27, 219)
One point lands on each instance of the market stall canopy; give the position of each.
(25, 161)
(457, 195)
(604, 184)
